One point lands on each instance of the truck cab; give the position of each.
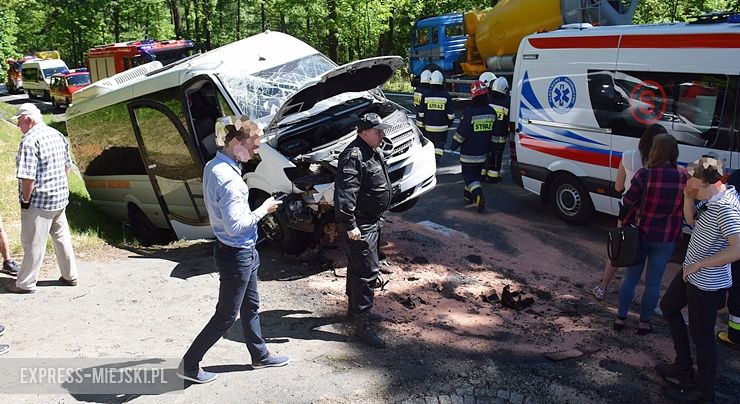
(437, 43)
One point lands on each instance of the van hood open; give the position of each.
(362, 75)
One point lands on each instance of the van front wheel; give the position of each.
(570, 199)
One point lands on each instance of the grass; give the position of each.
(91, 229)
(400, 82)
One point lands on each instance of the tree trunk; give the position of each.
(238, 19)
(196, 25)
(389, 37)
(206, 24)
(333, 38)
(187, 20)
(262, 14)
(116, 22)
(283, 26)
(176, 20)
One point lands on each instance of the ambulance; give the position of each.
(584, 95)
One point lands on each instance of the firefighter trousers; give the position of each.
(439, 139)
(471, 177)
(492, 168)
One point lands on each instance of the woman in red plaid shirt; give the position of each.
(657, 209)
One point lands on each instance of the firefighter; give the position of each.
(500, 101)
(487, 78)
(474, 136)
(436, 113)
(418, 93)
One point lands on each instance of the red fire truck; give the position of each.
(107, 60)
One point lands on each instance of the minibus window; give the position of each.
(30, 73)
(48, 72)
(435, 35)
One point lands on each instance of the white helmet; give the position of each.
(437, 78)
(487, 78)
(425, 76)
(501, 85)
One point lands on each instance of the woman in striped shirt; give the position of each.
(704, 280)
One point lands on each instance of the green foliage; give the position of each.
(661, 11)
(345, 30)
(8, 29)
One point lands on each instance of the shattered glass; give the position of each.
(260, 95)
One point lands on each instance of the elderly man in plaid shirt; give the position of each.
(43, 162)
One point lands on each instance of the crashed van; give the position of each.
(142, 137)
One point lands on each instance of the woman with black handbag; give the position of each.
(632, 160)
(654, 204)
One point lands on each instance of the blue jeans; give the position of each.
(657, 255)
(237, 295)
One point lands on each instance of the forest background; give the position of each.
(344, 30)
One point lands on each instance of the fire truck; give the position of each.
(106, 60)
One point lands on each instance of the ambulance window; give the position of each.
(688, 105)
(601, 93)
(126, 63)
(699, 107)
(435, 35)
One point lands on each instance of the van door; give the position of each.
(174, 171)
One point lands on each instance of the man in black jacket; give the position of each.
(362, 193)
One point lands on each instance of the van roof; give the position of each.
(248, 56)
(45, 62)
(668, 28)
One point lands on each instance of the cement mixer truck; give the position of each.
(463, 45)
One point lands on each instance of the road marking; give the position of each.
(436, 227)
(456, 169)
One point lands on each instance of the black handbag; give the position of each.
(623, 246)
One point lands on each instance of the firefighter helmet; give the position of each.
(437, 78)
(425, 76)
(487, 78)
(478, 88)
(501, 85)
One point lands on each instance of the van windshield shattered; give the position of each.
(260, 95)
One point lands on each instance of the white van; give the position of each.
(141, 138)
(37, 76)
(583, 96)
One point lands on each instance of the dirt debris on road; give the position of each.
(444, 339)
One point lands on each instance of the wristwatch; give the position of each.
(25, 204)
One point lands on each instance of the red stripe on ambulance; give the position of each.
(584, 156)
(673, 41)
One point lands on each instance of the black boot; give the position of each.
(466, 196)
(374, 318)
(364, 333)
